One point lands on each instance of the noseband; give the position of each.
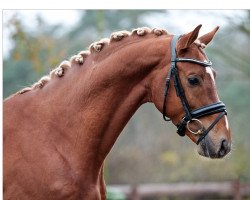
(190, 115)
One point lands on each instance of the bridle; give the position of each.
(190, 115)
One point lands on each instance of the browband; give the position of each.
(203, 63)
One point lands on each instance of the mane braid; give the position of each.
(95, 47)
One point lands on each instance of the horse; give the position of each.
(58, 132)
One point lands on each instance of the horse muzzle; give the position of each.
(208, 148)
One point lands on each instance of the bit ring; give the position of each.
(200, 131)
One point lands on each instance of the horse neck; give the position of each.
(93, 102)
(119, 86)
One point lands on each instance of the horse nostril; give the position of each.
(223, 148)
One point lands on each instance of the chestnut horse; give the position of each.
(58, 132)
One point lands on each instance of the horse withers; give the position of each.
(58, 131)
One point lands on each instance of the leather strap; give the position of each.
(210, 127)
(201, 112)
(202, 63)
(181, 94)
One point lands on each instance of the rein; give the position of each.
(194, 115)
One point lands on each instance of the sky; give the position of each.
(66, 17)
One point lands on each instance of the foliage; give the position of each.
(33, 54)
(148, 150)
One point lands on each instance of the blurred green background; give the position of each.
(148, 150)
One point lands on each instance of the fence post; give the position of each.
(236, 190)
(134, 193)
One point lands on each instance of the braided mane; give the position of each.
(94, 47)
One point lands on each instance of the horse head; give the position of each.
(190, 100)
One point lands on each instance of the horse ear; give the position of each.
(187, 39)
(205, 39)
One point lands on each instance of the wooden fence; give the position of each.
(199, 190)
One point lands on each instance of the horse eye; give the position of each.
(193, 81)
